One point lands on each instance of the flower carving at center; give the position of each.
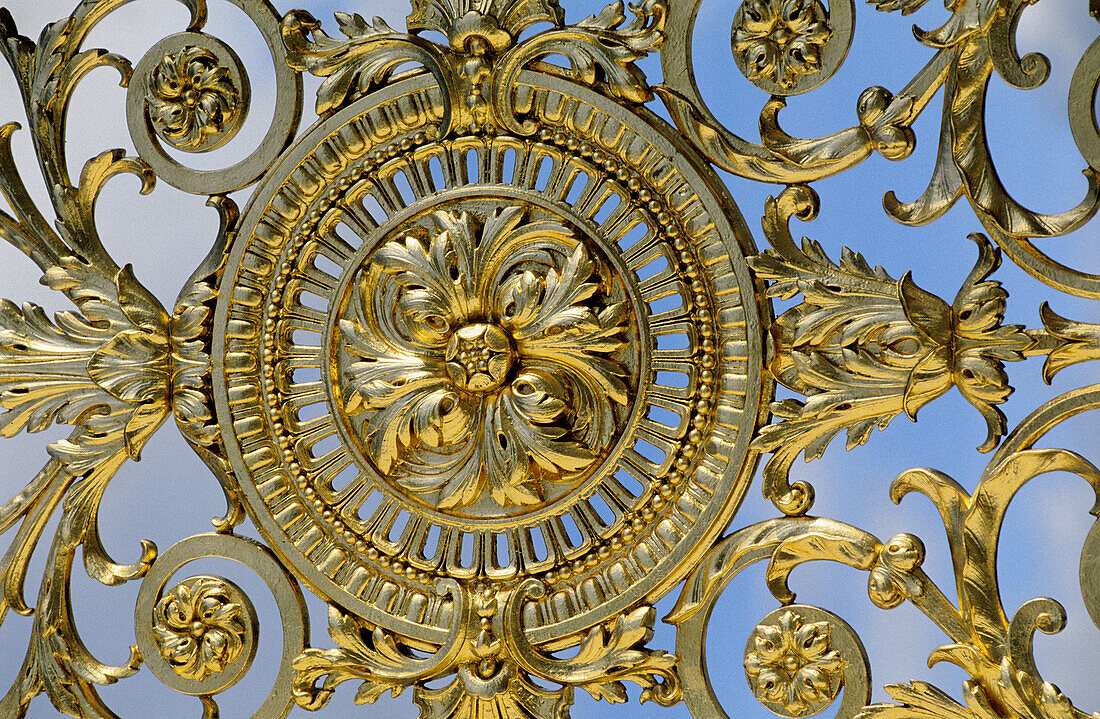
(484, 358)
(193, 101)
(780, 39)
(792, 667)
(479, 357)
(199, 628)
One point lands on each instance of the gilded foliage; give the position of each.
(607, 657)
(365, 60)
(1013, 693)
(488, 361)
(478, 70)
(498, 21)
(106, 369)
(1076, 342)
(864, 347)
(496, 371)
(504, 693)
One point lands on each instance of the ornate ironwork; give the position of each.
(489, 358)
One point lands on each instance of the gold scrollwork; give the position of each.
(433, 357)
(200, 636)
(479, 70)
(864, 347)
(219, 100)
(995, 651)
(487, 648)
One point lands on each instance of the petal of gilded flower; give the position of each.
(434, 279)
(793, 700)
(441, 419)
(786, 73)
(758, 18)
(171, 641)
(213, 649)
(789, 623)
(176, 607)
(507, 473)
(594, 385)
(209, 112)
(754, 664)
(185, 655)
(812, 685)
(208, 602)
(811, 640)
(463, 482)
(183, 126)
(212, 75)
(409, 420)
(830, 662)
(168, 115)
(225, 615)
(761, 58)
(165, 84)
(530, 414)
(561, 309)
(797, 14)
(802, 58)
(816, 34)
(771, 686)
(195, 68)
(769, 643)
(519, 300)
(384, 376)
(427, 317)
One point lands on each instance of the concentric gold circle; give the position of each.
(490, 358)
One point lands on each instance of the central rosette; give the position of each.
(479, 356)
(485, 359)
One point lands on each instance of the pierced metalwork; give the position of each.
(489, 358)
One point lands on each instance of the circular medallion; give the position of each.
(490, 358)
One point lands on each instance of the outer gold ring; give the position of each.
(357, 561)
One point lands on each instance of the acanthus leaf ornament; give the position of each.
(864, 347)
(600, 47)
(1076, 341)
(478, 72)
(365, 60)
(376, 658)
(108, 369)
(487, 359)
(499, 22)
(492, 659)
(605, 659)
(503, 693)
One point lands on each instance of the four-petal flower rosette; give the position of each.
(493, 371)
